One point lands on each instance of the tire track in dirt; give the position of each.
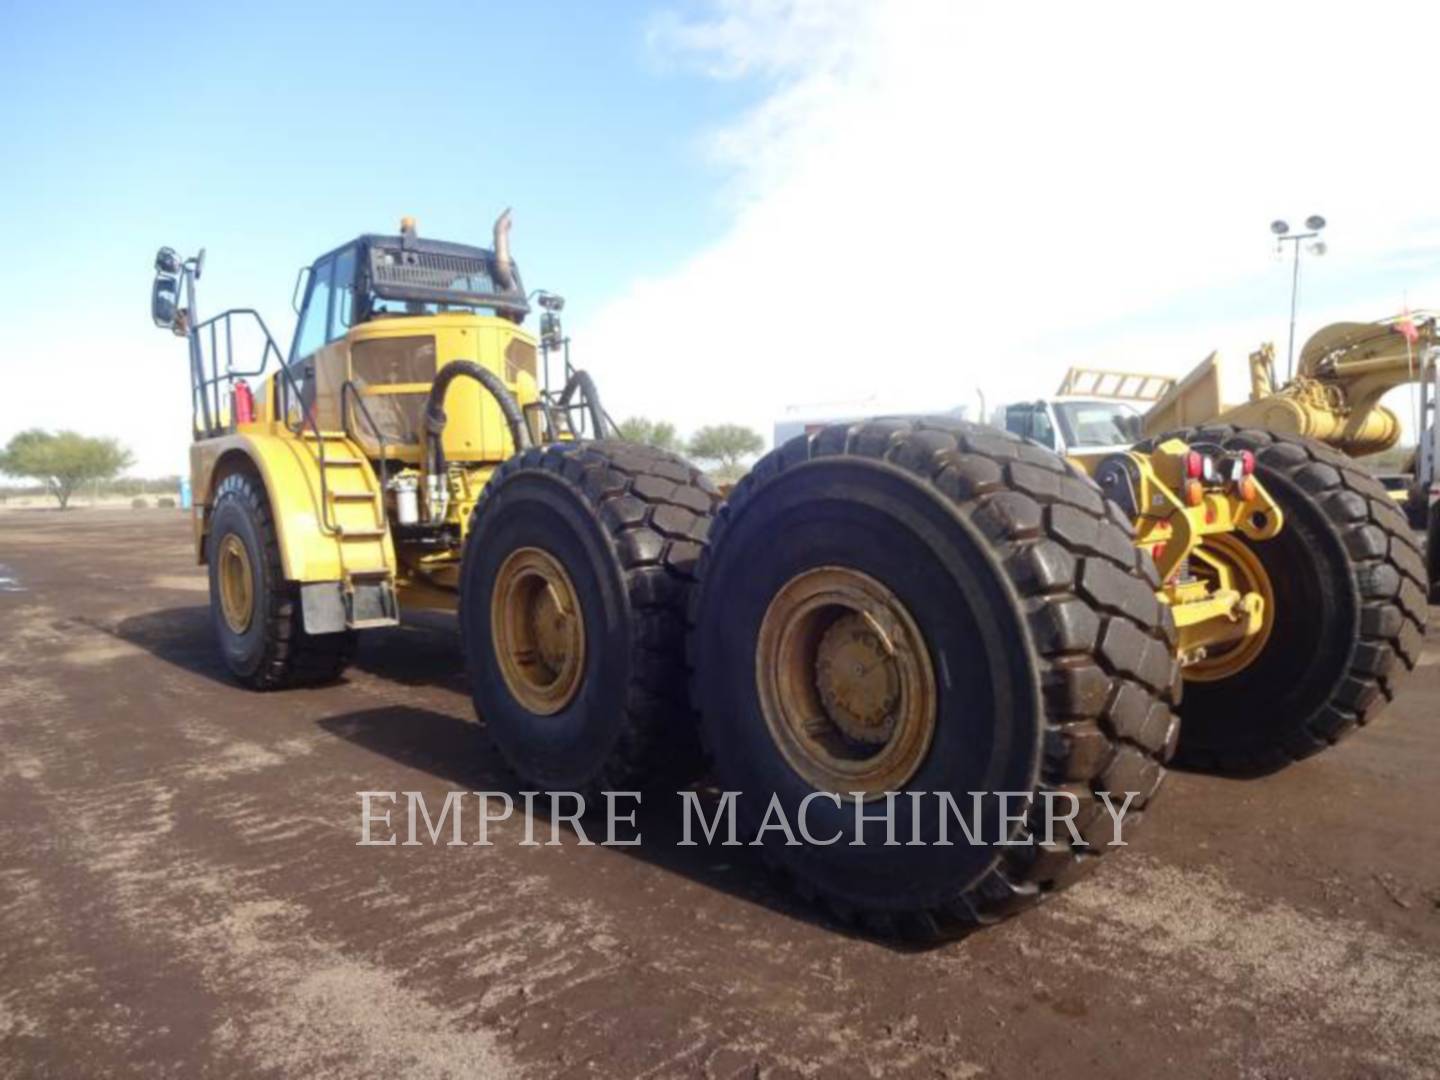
(182, 870)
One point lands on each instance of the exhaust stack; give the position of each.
(504, 268)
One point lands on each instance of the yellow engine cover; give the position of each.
(392, 364)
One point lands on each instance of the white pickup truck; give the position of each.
(1092, 413)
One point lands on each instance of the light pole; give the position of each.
(1315, 224)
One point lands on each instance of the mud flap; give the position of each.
(322, 604)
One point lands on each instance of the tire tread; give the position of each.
(1389, 574)
(655, 508)
(292, 656)
(1051, 531)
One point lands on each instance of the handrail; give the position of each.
(200, 384)
(349, 387)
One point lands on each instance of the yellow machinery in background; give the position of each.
(898, 606)
(1335, 397)
(1345, 369)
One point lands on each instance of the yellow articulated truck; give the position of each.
(883, 617)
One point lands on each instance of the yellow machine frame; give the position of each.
(1222, 602)
(328, 473)
(311, 522)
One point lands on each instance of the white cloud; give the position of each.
(933, 196)
(937, 196)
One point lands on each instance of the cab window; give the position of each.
(1031, 422)
(1017, 419)
(310, 333)
(1042, 431)
(343, 287)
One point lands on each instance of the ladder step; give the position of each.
(353, 496)
(371, 603)
(330, 463)
(373, 624)
(361, 534)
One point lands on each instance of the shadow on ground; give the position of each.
(181, 636)
(425, 652)
(459, 753)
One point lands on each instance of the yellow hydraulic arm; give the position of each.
(1345, 369)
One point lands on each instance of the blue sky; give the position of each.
(271, 132)
(754, 207)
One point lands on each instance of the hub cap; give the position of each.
(845, 682)
(1230, 563)
(237, 584)
(537, 631)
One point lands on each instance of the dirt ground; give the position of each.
(181, 893)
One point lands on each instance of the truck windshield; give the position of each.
(1097, 423)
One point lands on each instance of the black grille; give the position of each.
(428, 270)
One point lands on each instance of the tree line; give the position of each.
(63, 461)
(725, 446)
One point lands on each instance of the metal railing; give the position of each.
(348, 390)
(205, 384)
(557, 405)
(205, 389)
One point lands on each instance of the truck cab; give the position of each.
(1072, 426)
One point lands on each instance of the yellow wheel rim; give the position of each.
(237, 584)
(1230, 562)
(845, 682)
(537, 631)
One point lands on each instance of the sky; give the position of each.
(755, 208)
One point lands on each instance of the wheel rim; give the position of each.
(845, 682)
(237, 584)
(537, 631)
(1232, 558)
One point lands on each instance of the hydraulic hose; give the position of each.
(435, 419)
(582, 382)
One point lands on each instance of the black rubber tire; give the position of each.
(628, 523)
(1416, 510)
(1000, 550)
(1350, 611)
(275, 651)
(1432, 553)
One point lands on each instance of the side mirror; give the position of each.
(551, 334)
(165, 301)
(165, 292)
